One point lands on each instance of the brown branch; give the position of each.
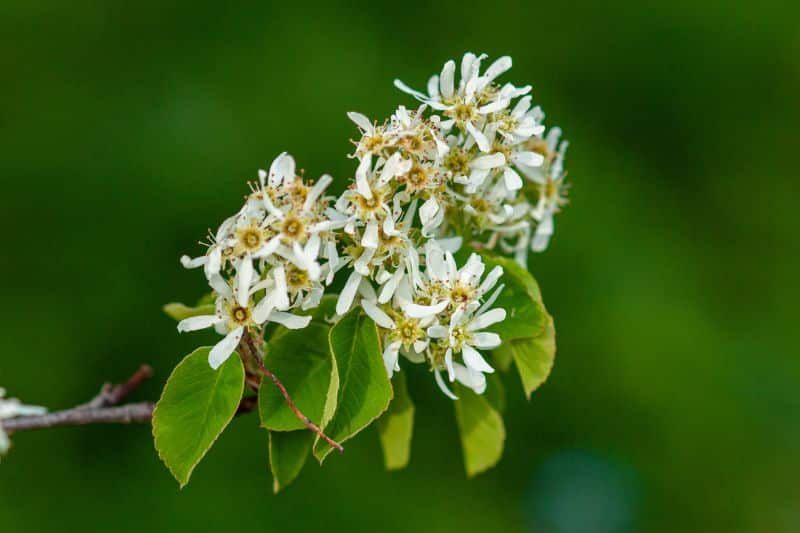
(113, 394)
(258, 356)
(131, 413)
(102, 409)
(82, 415)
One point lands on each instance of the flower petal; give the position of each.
(486, 340)
(447, 78)
(443, 386)
(361, 121)
(425, 311)
(193, 323)
(289, 320)
(348, 293)
(377, 315)
(224, 348)
(244, 275)
(486, 319)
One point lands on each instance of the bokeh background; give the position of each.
(127, 128)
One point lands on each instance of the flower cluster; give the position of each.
(10, 408)
(473, 163)
(504, 177)
(264, 261)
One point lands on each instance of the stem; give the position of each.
(113, 394)
(256, 353)
(81, 416)
(102, 409)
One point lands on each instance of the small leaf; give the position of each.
(301, 359)
(396, 426)
(533, 357)
(481, 428)
(364, 387)
(288, 451)
(206, 299)
(179, 311)
(196, 405)
(514, 270)
(521, 298)
(495, 392)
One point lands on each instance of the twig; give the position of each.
(102, 409)
(82, 415)
(255, 351)
(131, 413)
(113, 394)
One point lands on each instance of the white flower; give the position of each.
(235, 312)
(401, 333)
(10, 408)
(449, 286)
(463, 336)
(468, 104)
(284, 215)
(551, 185)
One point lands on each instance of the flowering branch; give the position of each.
(472, 164)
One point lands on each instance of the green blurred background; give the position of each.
(127, 128)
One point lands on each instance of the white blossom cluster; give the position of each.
(10, 408)
(264, 261)
(472, 163)
(504, 174)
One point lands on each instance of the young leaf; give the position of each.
(302, 361)
(533, 356)
(481, 428)
(396, 426)
(196, 405)
(364, 387)
(521, 298)
(288, 451)
(514, 270)
(179, 311)
(495, 392)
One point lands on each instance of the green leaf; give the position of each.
(495, 392)
(301, 359)
(521, 298)
(364, 389)
(179, 311)
(396, 426)
(207, 298)
(514, 270)
(288, 451)
(196, 405)
(533, 356)
(481, 428)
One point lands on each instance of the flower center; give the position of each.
(408, 331)
(457, 162)
(251, 238)
(411, 143)
(368, 206)
(296, 278)
(460, 336)
(240, 316)
(417, 178)
(461, 294)
(293, 228)
(463, 112)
